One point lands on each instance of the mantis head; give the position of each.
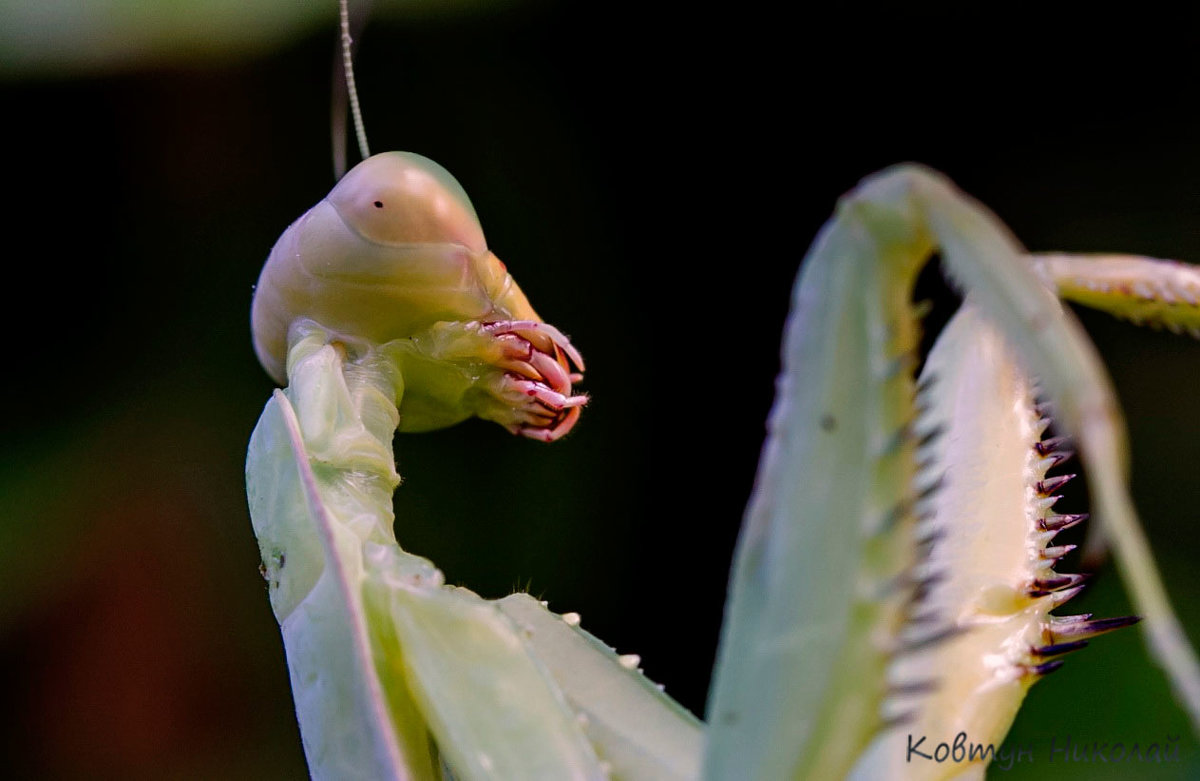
(394, 259)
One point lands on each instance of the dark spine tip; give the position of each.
(899, 720)
(1048, 446)
(1052, 484)
(1091, 628)
(1046, 668)
(924, 619)
(1109, 624)
(1058, 457)
(929, 436)
(1056, 552)
(1058, 649)
(923, 586)
(1056, 523)
(925, 544)
(929, 490)
(1044, 586)
(1062, 597)
(924, 464)
(913, 687)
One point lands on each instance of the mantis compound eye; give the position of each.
(404, 198)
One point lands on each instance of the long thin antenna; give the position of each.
(348, 64)
(339, 113)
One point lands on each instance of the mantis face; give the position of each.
(395, 256)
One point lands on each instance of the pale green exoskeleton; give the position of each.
(382, 308)
(894, 575)
(897, 562)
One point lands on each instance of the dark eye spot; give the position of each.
(379, 204)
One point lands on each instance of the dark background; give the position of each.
(652, 179)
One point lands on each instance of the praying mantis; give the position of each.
(856, 489)
(894, 575)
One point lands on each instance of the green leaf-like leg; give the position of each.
(377, 648)
(315, 494)
(382, 655)
(813, 612)
(639, 731)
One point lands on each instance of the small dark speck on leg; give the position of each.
(828, 422)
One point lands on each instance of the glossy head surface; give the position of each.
(403, 198)
(393, 248)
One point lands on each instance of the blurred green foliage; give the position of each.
(652, 177)
(56, 37)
